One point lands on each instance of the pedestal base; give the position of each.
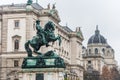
(42, 74)
(48, 60)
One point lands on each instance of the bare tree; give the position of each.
(115, 74)
(105, 73)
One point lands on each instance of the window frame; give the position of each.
(16, 44)
(16, 23)
(96, 50)
(103, 50)
(16, 63)
(16, 38)
(89, 51)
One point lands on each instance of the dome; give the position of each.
(97, 38)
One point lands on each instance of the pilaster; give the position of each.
(29, 21)
(4, 34)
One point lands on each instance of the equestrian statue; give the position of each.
(43, 37)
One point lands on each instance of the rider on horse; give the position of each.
(41, 33)
(43, 37)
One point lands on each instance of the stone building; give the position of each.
(98, 53)
(17, 25)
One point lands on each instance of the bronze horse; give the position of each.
(43, 37)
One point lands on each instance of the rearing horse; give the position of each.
(43, 37)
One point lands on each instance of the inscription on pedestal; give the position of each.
(31, 62)
(50, 61)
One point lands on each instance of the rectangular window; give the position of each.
(16, 44)
(17, 23)
(16, 63)
(89, 62)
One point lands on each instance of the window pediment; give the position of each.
(16, 36)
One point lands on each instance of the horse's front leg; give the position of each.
(27, 48)
(57, 38)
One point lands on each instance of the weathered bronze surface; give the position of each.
(48, 60)
(42, 37)
(29, 2)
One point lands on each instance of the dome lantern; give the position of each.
(97, 31)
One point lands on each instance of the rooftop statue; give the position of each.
(29, 2)
(43, 37)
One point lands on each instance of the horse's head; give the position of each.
(49, 26)
(50, 37)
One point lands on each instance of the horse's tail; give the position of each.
(27, 48)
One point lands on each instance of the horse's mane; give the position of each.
(49, 25)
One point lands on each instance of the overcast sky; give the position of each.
(87, 14)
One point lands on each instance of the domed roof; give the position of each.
(97, 38)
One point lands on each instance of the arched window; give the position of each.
(89, 51)
(103, 50)
(112, 50)
(108, 52)
(96, 51)
(16, 44)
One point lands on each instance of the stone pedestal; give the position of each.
(43, 67)
(42, 74)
